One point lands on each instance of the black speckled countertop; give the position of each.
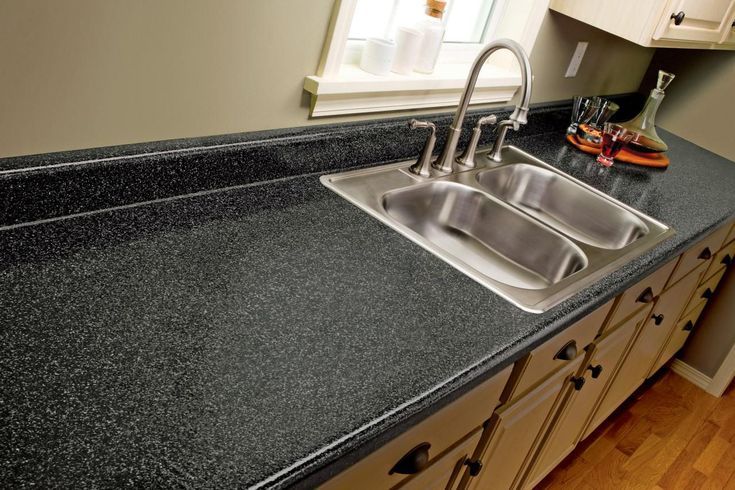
(269, 334)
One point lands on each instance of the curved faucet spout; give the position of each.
(445, 162)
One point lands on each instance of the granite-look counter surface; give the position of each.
(253, 336)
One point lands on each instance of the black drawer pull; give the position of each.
(726, 260)
(706, 254)
(678, 17)
(413, 461)
(474, 465)
(596, 370)
(646, 296)
(658, 319)
(707, 294)
(578, 382)
(688, 327)
(568, 352)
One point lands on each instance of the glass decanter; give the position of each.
(645, 139)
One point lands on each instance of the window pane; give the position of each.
(465, 19)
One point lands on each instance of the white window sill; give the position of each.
(354, 91)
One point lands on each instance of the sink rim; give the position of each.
(571, 244)
(364, 187)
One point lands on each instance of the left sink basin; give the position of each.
(485, 235)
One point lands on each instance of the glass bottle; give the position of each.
(645, 139)
(433, 29)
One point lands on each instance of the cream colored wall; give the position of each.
(700, 102)
(86, 73)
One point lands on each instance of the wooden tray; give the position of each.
(658, 160)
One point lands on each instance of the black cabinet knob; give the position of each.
(678, 17)
(706, 254)
(688, 327)
(474, 465)
(413, 461)
(595, 370)
(658, 319)
(646, 296)
(578, 382)
(726, 260)
(707, 294)
(568, 352)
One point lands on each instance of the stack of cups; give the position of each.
(377, 56)
(408, 47)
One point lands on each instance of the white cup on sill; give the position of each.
(408, 46)
(377, 56)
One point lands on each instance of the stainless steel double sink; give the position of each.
(522, 228)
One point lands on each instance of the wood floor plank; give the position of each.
(609, 475)
(708, 460)
(640, 430)
(724, 470)
(650, 447)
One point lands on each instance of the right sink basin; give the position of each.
(564, 205)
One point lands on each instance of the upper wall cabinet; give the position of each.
(700, 24)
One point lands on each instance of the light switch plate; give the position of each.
(576, 59)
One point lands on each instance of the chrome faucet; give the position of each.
(445, 162)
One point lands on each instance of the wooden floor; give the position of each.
(673, 435)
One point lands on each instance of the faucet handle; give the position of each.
(422, 167)
(468, 157)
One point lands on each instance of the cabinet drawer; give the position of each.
(698, 254)
(704, 292)
(640, 295)
(446, 471)
(723, 258)
(680, 334)
(440, 430)
(557, 352)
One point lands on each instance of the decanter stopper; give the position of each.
(664, 79)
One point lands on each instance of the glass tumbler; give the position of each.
(614, 138)
(583, 109)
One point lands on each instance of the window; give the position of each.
(341, 87)
(465, 20)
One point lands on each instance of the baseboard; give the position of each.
(690, 374)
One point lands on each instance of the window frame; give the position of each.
(340, 87)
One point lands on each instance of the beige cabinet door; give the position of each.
(695, 20)
(516, 428)
(567, 430)
(629, 376)
(681, 332)
(666, 313)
